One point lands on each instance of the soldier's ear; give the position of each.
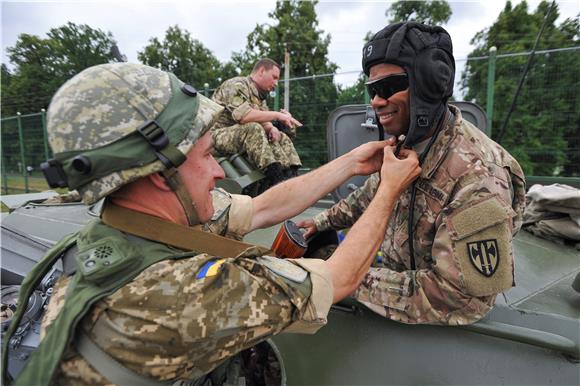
(159, 181)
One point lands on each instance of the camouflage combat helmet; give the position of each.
(114, 123)
(426, 54)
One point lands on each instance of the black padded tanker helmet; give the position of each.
(426, 54)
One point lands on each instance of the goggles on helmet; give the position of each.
(388, 86)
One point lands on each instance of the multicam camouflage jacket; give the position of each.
(179, 319)
(238, 96)
(469, 203)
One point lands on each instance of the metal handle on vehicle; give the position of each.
(526, 335)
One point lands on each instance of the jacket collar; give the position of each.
(253, 86)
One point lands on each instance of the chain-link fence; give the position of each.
(24, 147)
(543, 132)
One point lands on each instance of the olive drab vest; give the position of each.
(103, 267)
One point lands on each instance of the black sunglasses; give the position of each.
(388, 86)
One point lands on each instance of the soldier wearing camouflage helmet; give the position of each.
(447, 251)
(148, 296)
(247, 124)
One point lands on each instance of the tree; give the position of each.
(186, 57)
(295, 28)
(428, 12)
(543, 131)
(41, 66)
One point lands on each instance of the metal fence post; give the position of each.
(367, 96)
(45, 134)
(4, 175)
(490, 87)
(277, 100)
(22, 159)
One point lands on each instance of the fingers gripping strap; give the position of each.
(176, 184)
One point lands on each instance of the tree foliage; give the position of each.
(186, 57)
(543, 131)
(428, 12)
(295, 28)
(41, 66)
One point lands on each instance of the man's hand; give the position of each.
(274, 134)
(368, 158)
(287, 119)
(310, 227)
(398, 173)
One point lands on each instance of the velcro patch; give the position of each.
(284, 268)
(477, 216)
(482, 244)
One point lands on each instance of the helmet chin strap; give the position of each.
(176, 184)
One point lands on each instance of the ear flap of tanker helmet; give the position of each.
(426, 54)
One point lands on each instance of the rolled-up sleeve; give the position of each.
(315, 313)
(240, 216)
(239, 101)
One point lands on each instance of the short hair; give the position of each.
(267, 63)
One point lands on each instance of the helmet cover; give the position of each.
(96, 116)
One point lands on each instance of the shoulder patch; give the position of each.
(284, 268)
(484, 255)
(482, 243)
(211, 268)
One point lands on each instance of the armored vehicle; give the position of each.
(532, 335)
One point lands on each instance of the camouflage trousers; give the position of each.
(251, 139)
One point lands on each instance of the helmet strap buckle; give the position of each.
(54, 174)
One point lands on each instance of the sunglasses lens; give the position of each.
(388, 86)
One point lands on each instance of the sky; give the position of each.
(222, 25)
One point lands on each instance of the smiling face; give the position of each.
(394, 112)
(199, 174)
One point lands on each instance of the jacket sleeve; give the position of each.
(236, 99)
(245, 300)
(345, 213)
(472, 262)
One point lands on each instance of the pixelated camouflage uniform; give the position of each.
(238, 96)
(470, 192)
(169, 324)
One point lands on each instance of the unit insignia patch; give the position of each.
(484, 255)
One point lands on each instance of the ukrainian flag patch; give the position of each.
(210, 268)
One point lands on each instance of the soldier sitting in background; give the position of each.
(148, 296)
(447, 251)
(246, 123)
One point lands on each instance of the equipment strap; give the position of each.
(183, 237)
(109, 367)
(176, 184)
